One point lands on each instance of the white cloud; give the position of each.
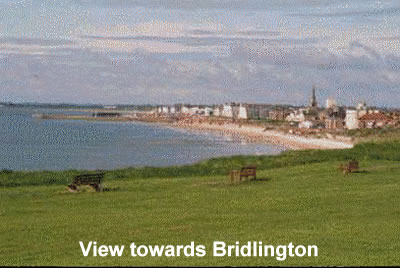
(204, 50)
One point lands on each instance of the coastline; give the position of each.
(248, 132)
(252, 133)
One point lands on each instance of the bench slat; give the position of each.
(88, 178)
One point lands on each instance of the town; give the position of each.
(312, 126)
(310, 119)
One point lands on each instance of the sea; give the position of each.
(30, 143)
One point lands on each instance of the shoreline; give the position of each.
(248, 132)
(253, 133)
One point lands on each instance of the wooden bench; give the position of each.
(248, 171)
(350, 167)
(91, 179)
(244, 172)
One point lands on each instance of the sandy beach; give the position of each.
(254, 133)
(248, 132)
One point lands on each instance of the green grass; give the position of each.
(215, 166)
(354, 219)
(380, 135)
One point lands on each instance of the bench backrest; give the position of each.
(250, 170)
(349, 167)
(353, 164)
(89, 178)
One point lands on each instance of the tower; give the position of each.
(313, 100)
(330, 103)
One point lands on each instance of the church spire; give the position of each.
(313, 101)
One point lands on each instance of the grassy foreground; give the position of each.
(354, 219)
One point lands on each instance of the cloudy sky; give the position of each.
(170, 51)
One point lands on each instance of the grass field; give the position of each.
(353, 219)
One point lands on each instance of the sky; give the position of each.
(204, 52)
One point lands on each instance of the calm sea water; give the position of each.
(27, 143)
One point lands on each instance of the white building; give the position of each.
(207, 111)
(242, 112)
(330, 103)
(352, 119)
(172, 109)
(227, 111)
(165, 109)
(362, 106)
(194, 110)
(110, 107)
(362, 109)
(296, 116)
(306, 124)
(216, 111)
(185, 110)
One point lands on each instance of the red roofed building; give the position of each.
(374, 120)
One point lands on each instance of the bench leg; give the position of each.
(73, 187)
(96, 187)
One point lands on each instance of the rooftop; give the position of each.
(375, 116)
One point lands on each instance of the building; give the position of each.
(361, 117)
(362, 109)
(206, 111)
(110, 107)
(239, 111)
(217, 110)
(306, 124)
(362, 106)
(184, 109)
(334, 123)
(194, 110)
(313, 100)
(258, 111)
(227, 111)
(331, 103)
(242, 112)
(333, 111)
(296, 116)
(181, 108)
(374, 120)
(351, 119)
(278, 114)
(106, 114)
(165, 109)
